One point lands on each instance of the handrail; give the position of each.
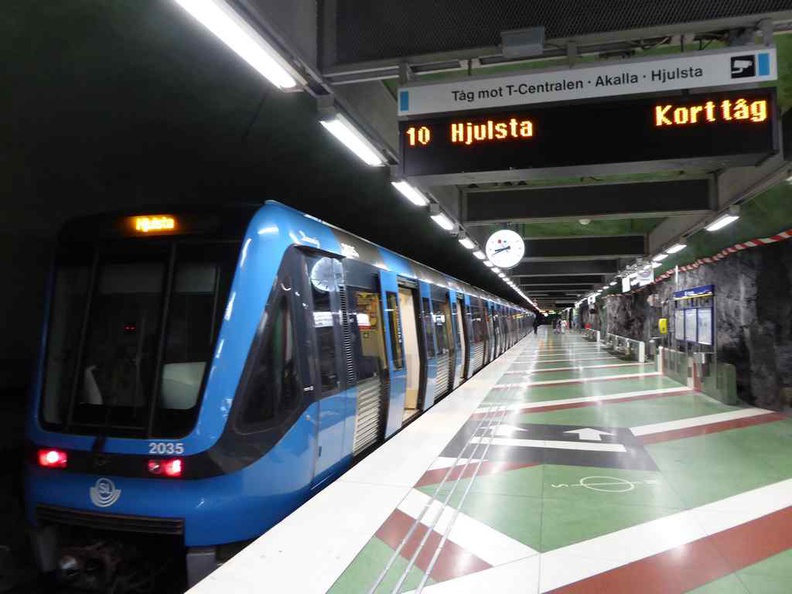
(626, 346)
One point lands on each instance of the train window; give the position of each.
(322, 274)
(273, 388)
(194, 314)
(119, 355)
(477, 321)
(366, 325)
(428, 328)
(68, 306)
(102, 362)
(395, 330)
(442, 321)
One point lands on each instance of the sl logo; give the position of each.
(104, 493)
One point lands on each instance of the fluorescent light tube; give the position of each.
(660, 257)
(479, 254)
(343, 130)
(656, 265)
(721, 222)
(467, 243)
(443, 221)
(612, 283)
(236, 33)
(500, 274)
(677, 247)
(488, 264)
(495, 269)
(409, 192)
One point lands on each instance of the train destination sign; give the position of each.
(734, 127)
(692, 70)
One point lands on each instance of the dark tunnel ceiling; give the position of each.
(130, 102)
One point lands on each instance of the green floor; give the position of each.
(549, 506)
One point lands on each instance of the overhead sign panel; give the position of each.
(710, 126)
(627, 77)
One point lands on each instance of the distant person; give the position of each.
(563, 326)
(536, 324)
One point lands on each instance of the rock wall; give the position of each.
(753, 312)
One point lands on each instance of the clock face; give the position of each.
(505, 248)
(322, 275)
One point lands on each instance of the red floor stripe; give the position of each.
(713, 428)
(434, 476)
(552, 407)
(453, 562)
(697, 563)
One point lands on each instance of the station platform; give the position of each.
(557, 468)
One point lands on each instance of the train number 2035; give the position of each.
(163, 447)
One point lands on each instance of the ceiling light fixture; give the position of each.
(677, 247)
(443, 221)
(660, 257)
(722, 221)
(466, 242)
(236, 33)
(411, 193)
(340, 127)
(488, 264)
(479, 254)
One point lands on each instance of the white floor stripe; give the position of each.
(604, 398)
(581, 380)
(606, 358)
(575, 368)
(475, 537)
(446, 462)
(742, 413)
(585, 559)
(550, 444)
(517, 577)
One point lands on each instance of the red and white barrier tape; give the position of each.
(737, 247)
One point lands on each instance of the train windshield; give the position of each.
(131, 333)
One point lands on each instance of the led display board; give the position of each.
(712, 126)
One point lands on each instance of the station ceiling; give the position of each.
(132, 102)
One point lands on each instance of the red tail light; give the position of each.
(52, 459)
(171, 468)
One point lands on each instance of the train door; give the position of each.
(365, 356)
(486, 321)
(460, 340)
(430, 375)
(326, 347)
(395, 348)
(413, 357)
(444, 337)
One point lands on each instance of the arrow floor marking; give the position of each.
(589, 434)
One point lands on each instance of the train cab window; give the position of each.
(119, 354)
(128, 322)
(72, 284)
(428, 324)
(273, 388)
(394, 329)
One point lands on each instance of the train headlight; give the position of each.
(53, 458)
(171, 468)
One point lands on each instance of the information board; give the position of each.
(705, 325)
(669, 128)
(679, 324)
(691, 324)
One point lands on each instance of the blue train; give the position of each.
(203, 373)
